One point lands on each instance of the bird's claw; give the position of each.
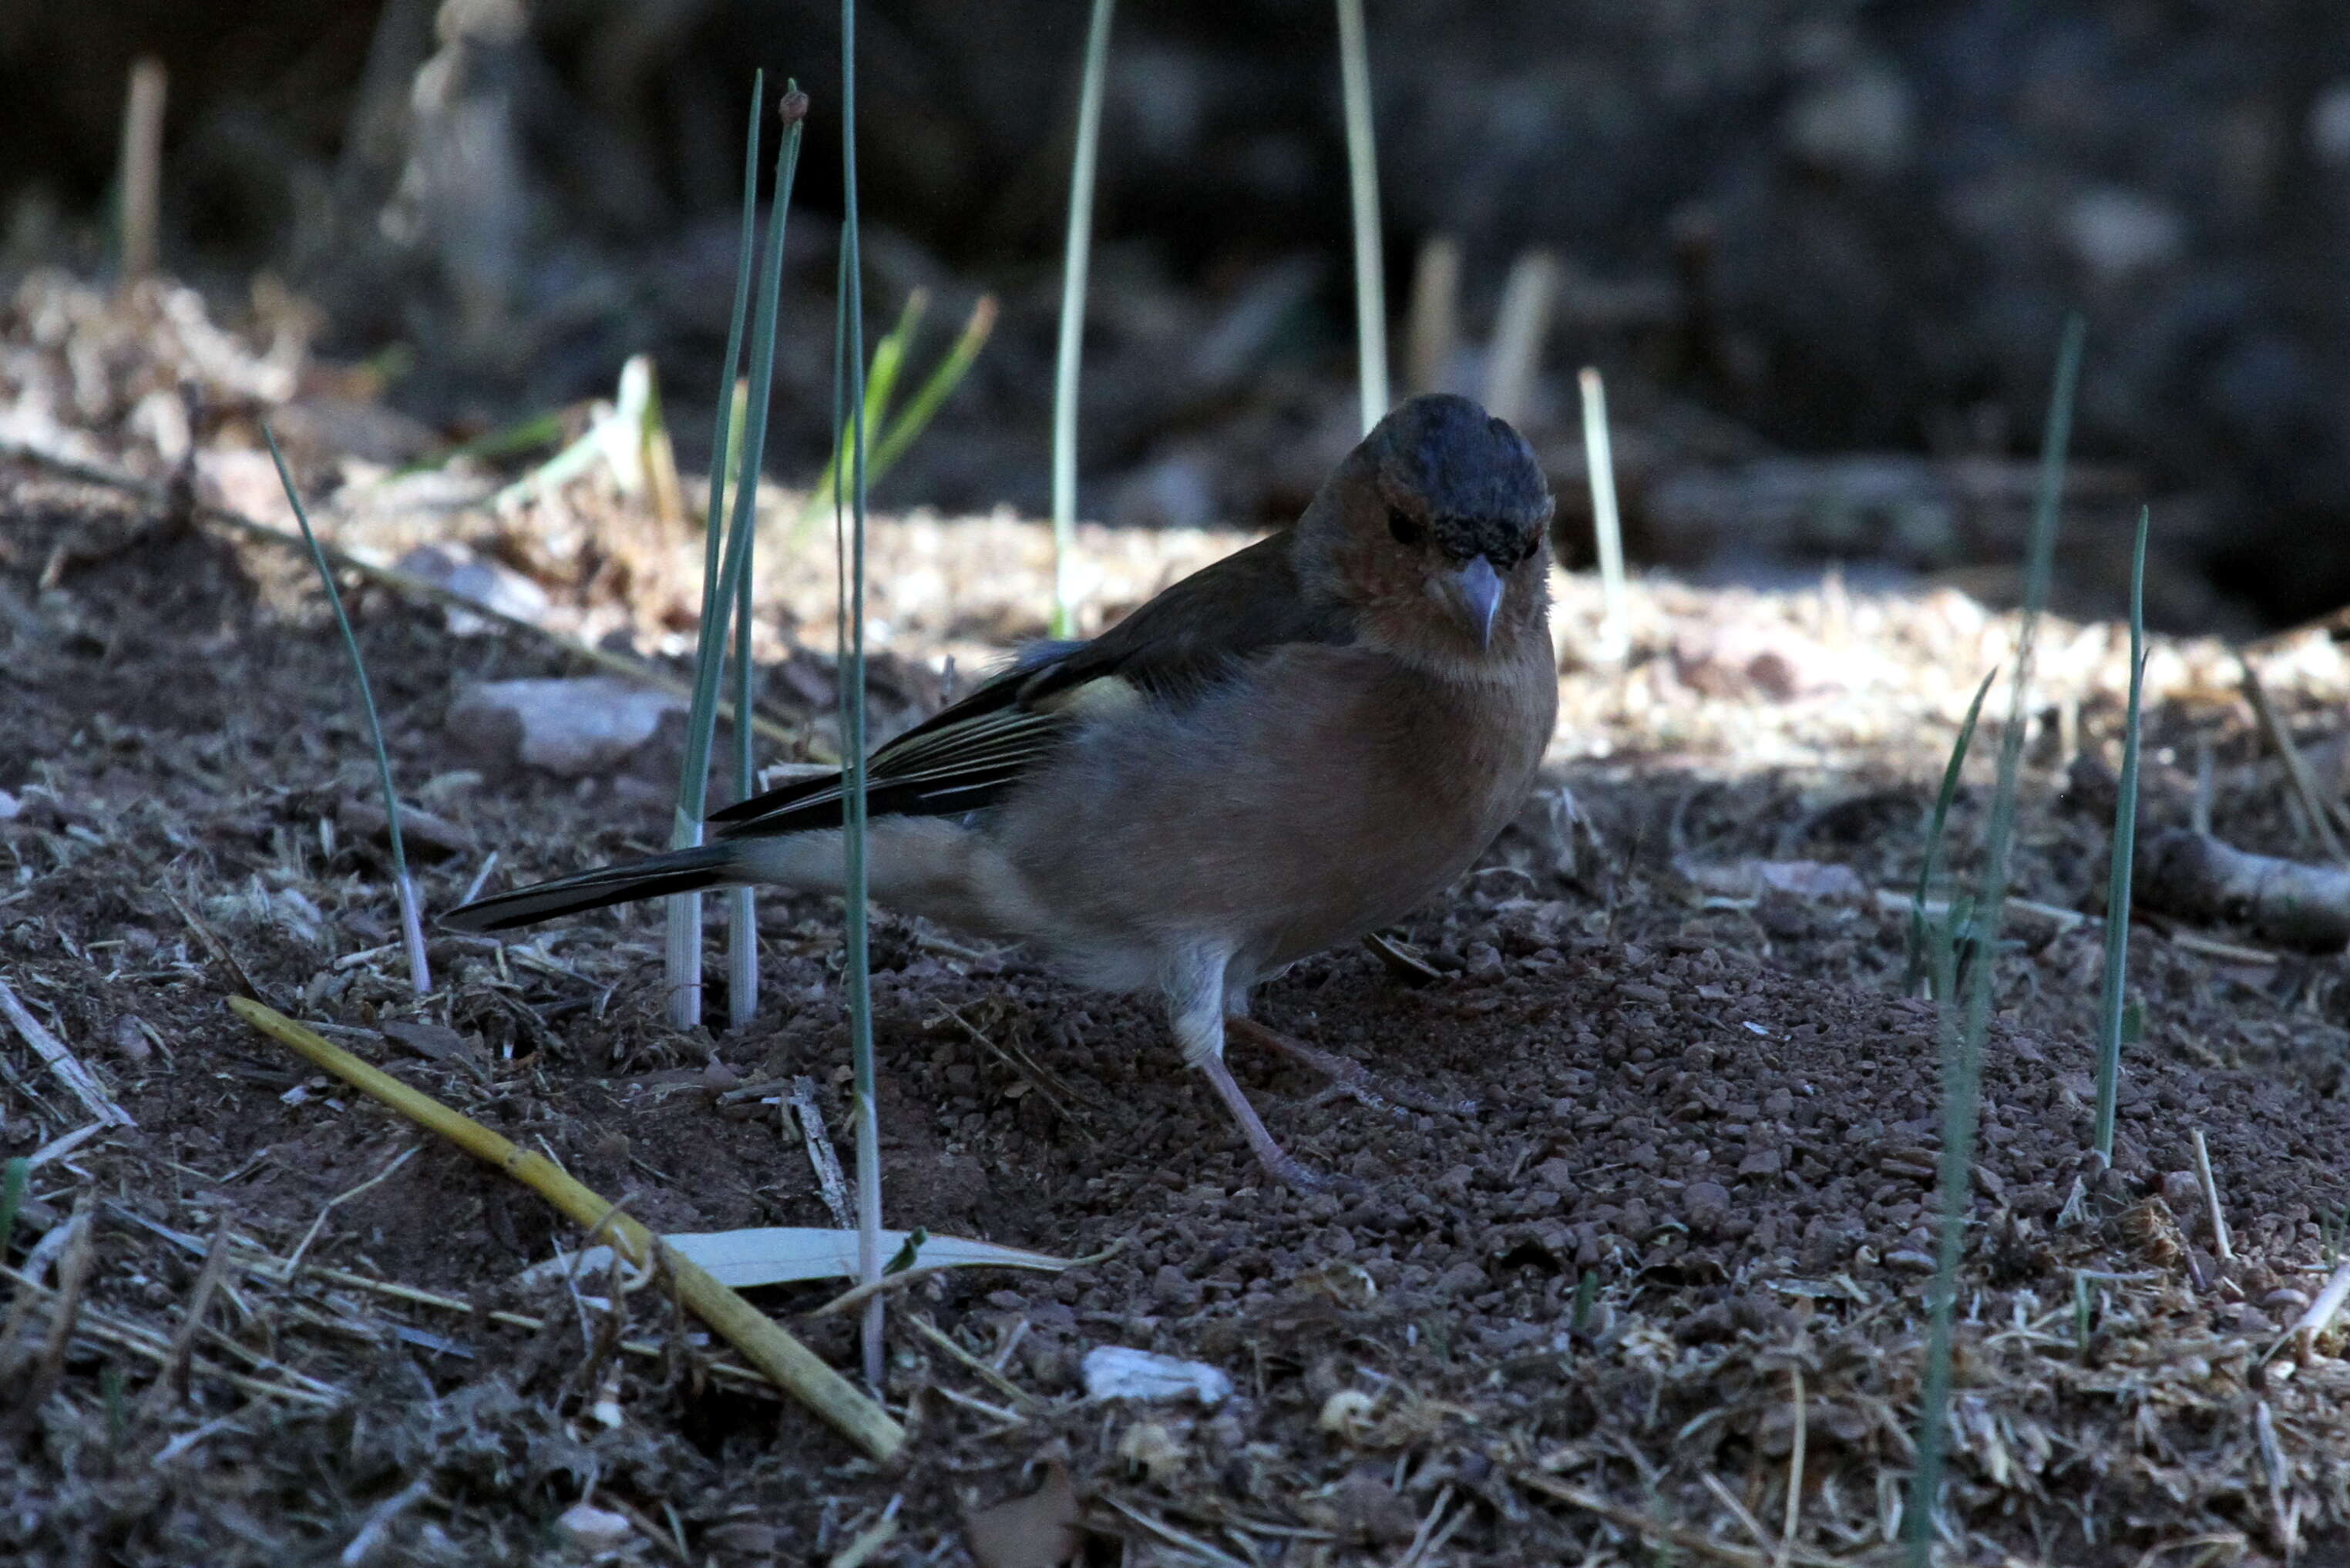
(1350, 1077)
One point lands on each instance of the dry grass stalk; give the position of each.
(1432, 330)
(978, 1368)
(857, 1296)
(172, 1383)
(643, 1349)
(1794, 1515)
(1663, 1533)
(1049, 1085)
(103, 1329)
(1362, 185)
(1518, 335)
(1606, 524)
(379, 1520)
(68, 1067)
(1737, 1510)
(2220, 1238)
(340, 1198)
(62, 1145)
(142, 174)
(64, 1310)
(1172, 1536)
(825, 1159)
(2320, 813)
(2284, 1507)
(764, 1342)
(2321, 1312)
(870, 1541)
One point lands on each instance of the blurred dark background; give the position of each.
(1801, 235)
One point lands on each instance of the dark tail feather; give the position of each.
(679, 871)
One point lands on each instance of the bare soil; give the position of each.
(1675, 1264)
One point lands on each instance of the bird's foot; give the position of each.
(1347, 1076)
(1279, 1163)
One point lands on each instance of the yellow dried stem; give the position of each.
(765, 1345)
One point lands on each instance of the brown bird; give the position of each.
(1284, 750)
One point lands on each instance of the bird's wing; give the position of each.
(1186, 639)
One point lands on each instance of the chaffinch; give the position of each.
(1284, 750)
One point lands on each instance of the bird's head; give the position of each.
(1432, 531)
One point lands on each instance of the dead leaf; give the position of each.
(1039, 1531)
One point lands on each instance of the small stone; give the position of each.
(1174, 1288)
(1347, 1414)
(1116, 1372)
(457, 570)
(1912, 1261)
(1462, 1279)
(130, 1038)
(1706, 1197)
(594, 1528)
(569, 727)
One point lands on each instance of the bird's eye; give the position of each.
(1405, 531)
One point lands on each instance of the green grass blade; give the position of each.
(857, 978)
(880, 387)
(702, 717)
(523, 435)
(1962, 1046)
(14, 1178)
(1075, 253)
(1932, 871)
(906, 427)
(944, 378)
(2110, 998)
(743, 903)
(1363, 181)
(412, 923)
(681, 949)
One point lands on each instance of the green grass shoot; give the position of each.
(1363, 183)
(1965, 1028)
(2111, 998)
(681, 949)
(523, 435)
(1928, 936)
(412, 923)
(13, 1179)
(1074, 255)
(944, 378)
(721, 590)
(894, 432)
(880, 387)
(848, 409)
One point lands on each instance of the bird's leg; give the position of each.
(1347, 1075)
(1195, 1007)
(1279, 1163)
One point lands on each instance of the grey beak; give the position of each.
(1481, 597)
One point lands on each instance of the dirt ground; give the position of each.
(1661, 1298)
